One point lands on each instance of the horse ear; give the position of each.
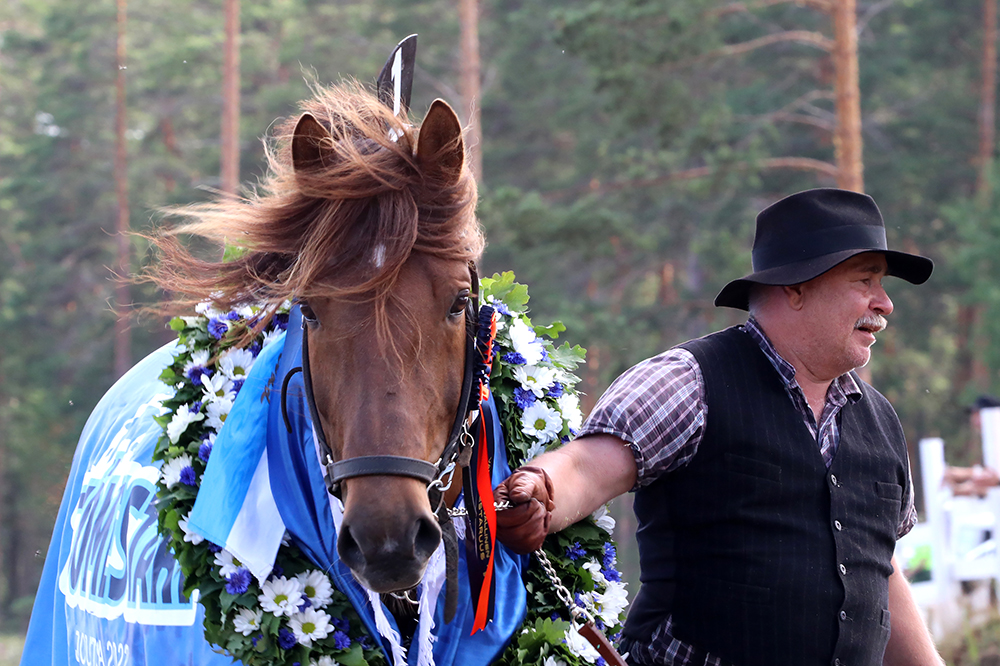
(310, 141)
(440, 148)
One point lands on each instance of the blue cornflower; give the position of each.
(217, 328)
(239, 582)
(554, 617)
(513, 358)
(237, 385)
(204, 451)
(231, 316)
(286, 639)
(340, 624)
(599, 623)
(364, 642)
(564, 439)
(615, 638)
(305, 604)
(196, 373)
(188, 477)
(555, 390)
(575, 551)
(276, 571)
(256, 638)
(341, 641)
(523, 398)
(255, 348)
(195, 408)
(574, 432)
(281, 321)
(600, 660)
(609, 555)
(545, 355)
(213, 548)
(612, 574)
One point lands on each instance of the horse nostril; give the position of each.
(349, 550)
(427, 537)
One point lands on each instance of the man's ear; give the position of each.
(795, 295)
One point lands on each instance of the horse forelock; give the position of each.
(317, 232)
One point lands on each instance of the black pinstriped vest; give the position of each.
(763, 556)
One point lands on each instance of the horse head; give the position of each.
(386, 315)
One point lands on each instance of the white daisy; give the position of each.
(534, 378)
(569, 405)
(535, 450)
(540, 421)
(170, 473)
(281, 596)
(310, 625)
(217, 413)
(227, 563)
(525, 342)
(182, 418)
(235, 363)
(316, 587)
(199, 359)
(207, 308)
(604, 519)
(325, 660)
(580, 646)
(247, 621)
(217, 387)
(189, 535)
(272, 336)
(612, 602)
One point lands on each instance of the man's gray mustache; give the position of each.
(872, 323)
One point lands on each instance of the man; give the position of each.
(771, 482)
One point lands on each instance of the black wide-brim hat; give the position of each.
(806, 234)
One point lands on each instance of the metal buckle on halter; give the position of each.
(439, 482)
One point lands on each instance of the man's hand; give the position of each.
(523, 527)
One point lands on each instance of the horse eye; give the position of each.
(308, 314)
(461, 301)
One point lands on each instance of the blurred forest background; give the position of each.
(625, 148)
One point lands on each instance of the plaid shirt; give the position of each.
(658, 408)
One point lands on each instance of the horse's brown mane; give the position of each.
(317, 232)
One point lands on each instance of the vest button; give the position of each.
(833, 480)
(836, 662)
(843, 569)
(837, 524)
(843, 615)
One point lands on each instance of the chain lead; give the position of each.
(579, 615)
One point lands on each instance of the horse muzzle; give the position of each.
(387, 553)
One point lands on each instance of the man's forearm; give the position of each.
(910, 643)
(587, 473)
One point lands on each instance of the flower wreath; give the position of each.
(296, 615)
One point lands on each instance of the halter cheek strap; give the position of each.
(389, 465)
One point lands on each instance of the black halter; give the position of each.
(436, 475)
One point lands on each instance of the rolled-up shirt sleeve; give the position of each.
(658, 408)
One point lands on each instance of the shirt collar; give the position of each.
(845, 383)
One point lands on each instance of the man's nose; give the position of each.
(882, 303)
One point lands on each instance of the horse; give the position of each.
(366, 224)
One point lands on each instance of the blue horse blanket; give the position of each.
(111, 592)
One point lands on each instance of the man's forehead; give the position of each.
(867, 262)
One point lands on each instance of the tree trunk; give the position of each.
(231, 100)
(987, 103)
(468, 13)
(123, 342)
(847, 140)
